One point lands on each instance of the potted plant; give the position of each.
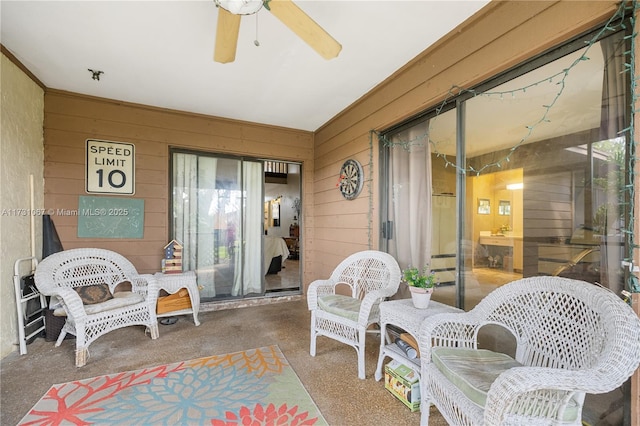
(421, 285)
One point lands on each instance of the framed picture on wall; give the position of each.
(275, 213)
(267, 214)
(484, 206)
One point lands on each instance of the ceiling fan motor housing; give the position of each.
(240, 7)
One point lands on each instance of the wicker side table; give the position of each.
(171, 283)
(402, 314)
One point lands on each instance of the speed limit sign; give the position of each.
(110, 167)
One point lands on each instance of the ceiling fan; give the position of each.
(230, 11)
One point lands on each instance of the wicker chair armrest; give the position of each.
(373, 298)
(146, 285)
(457, 330)
(72, 302)
(536, 389)
(318, 288)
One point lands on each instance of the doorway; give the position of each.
(218, 216)
(282, 219)
(498, 221)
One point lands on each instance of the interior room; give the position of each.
(282, 207)
(236, 157)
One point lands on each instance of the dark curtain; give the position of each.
(50, 240)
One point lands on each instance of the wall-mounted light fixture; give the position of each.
(514, 186)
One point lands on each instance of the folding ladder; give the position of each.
(30, 303)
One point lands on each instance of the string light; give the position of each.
(634, 285)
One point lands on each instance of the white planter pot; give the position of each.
(420, 297)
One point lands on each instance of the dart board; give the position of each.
(351, 177)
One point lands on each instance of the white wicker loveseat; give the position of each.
(370, 276)
(84, 280)
(572, 338)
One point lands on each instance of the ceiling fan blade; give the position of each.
(305, 27)
(226, 36)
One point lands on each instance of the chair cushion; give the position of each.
(92, 294)
(473, 371)
(338, 304)
(120, 299)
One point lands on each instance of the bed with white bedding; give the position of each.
(274, 247)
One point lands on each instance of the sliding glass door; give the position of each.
(238, 222)
(521, 177)
(217, 216)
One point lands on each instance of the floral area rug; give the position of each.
(253, 387)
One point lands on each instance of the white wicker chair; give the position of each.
(60, 273)
(572, 338)
(371, 276)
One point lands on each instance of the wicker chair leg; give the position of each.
(154, 331)
(61, 337)
(312, 345)
(361, 373)
(81, 356)
(424, 413)
(314, 335)
(360, 350)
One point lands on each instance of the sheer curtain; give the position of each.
(193, 226)
(410, 200)
(250, 259)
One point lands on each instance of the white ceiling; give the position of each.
(503, 116)
(160, 53)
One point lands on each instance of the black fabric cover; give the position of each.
(50, 240)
